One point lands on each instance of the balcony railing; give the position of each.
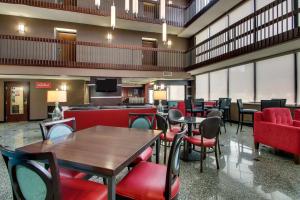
(176, 15)
(273, 24)
(33, 51)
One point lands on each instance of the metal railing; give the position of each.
(20, 50)
(176, 15)
(270, 25)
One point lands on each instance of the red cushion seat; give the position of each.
(175, 129)
(71, 173)
(196, 132)
(146, 181)
(169, 136)
(145, 156)
(196, 140)
(78, 189)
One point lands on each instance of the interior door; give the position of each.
(17, 101)
(149, 56)
(66, 50)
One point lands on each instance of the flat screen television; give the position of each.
(106, 85)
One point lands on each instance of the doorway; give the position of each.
(66, 51)
(149, 56)
(151, 10)
(16, 101)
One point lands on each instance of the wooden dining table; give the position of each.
(101, 150)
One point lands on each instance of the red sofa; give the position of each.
(276, 128)
(105, 117)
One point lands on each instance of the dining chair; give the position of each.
(30, 180)
(150, 181)
(209, 138)
(142, 121)
(282, 102)
(166, 136)
(59, 129)
(270, 104)
(242, 111)
(174, 114)
(199, 106)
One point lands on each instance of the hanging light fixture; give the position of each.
(162, 9)
(97, 3)
(164, 32)
(127, 5)
(113, 16)
(135, 7)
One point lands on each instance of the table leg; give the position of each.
(111, 188)
(187, 145)
(157, 150)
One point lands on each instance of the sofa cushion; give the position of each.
(278, 116)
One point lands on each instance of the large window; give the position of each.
(218, 84)
(241, 83)
(275, 78)
(176, 92)
(202, 86)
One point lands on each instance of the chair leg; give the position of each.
(216, 155)
(229, 116)
(256, 144)
(297, 159)
(237, 131)
(219, 147)
(165, 152)
(225, 127)
(201, 159)
(242, 122)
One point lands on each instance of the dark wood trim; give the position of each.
(254, 84)
(296, 76)
(209, 86)
(228, 76)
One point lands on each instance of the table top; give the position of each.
(190, 120)
(102, 150)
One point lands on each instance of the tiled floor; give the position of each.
(243, 174)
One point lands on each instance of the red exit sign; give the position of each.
(43, 85)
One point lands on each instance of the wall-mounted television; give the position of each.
(106, 85)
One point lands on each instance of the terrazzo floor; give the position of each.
(243, 173)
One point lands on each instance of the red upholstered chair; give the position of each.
(150, 181)
(59, 129)
(276, 128)
(31, 181)
(142, 121)
(209, 138)
(297, 114)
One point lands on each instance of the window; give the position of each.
(275, 78)
(262, 3)
(202, 86)
(241, 12)
(241, 83)
(150, 96)
(218, 84)
(176, 92)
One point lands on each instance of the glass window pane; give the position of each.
(176, 92)
(241, 83)
(218, 84)
(202, 86)
(275, 78)
(17, 101)
(241, 12)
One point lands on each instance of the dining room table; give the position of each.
(188, 154)
(103, 151)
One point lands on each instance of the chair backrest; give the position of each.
(141, 120)
(173, 168)
(210, 127)
(222, 103)
(228, 102)
(29, 179)
(240, 104)
(161, 123)
(270, 104)
(188, 104)
(172, 115)
(199, 103)
(59, 128)
(278, 116)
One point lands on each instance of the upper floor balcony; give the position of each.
(148, 10)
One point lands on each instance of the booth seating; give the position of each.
(276, 128)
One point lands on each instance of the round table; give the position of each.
(188, 154)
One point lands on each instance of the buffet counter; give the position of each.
(108, 116)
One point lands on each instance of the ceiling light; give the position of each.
(113, 16)
(170, 2)
(97, 3)
(169, 43)
(109, 36)
(162, 9)
(164, 32)
(127, 5)
(21, 28)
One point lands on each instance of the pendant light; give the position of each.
(113, 16)
(97, 3)
(135, 7)
(164, 32)
(127, 5)
(162, 9)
